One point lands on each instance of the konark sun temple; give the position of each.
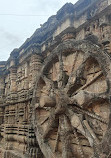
(55, 90)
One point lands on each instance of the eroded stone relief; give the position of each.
(55, 89)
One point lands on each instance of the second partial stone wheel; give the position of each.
(71, 101)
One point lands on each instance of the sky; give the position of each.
(20, 18)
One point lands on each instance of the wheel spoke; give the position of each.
(76, 79)
(83, 127)
(63, 77)
(90, 82)
(51, 120)
(91, 131)
(57, 138)
(78, 142)
(85, 112)
(60, 82)
(74, 63)
(50, 126)
(85, 98)
(65, 138)
(94, 137)
(61, 66)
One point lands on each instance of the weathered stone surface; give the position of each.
(55, 90)
(82, 106)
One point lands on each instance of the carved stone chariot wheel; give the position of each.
(71, 101)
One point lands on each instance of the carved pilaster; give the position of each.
(13, 77)
(36, 63)
(2, 85)
(2, 89)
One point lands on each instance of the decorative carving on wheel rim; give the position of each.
(71, 105)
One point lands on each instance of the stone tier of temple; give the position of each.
(89, 20)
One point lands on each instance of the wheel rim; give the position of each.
(71, 107)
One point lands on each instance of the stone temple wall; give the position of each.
(82, 21)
